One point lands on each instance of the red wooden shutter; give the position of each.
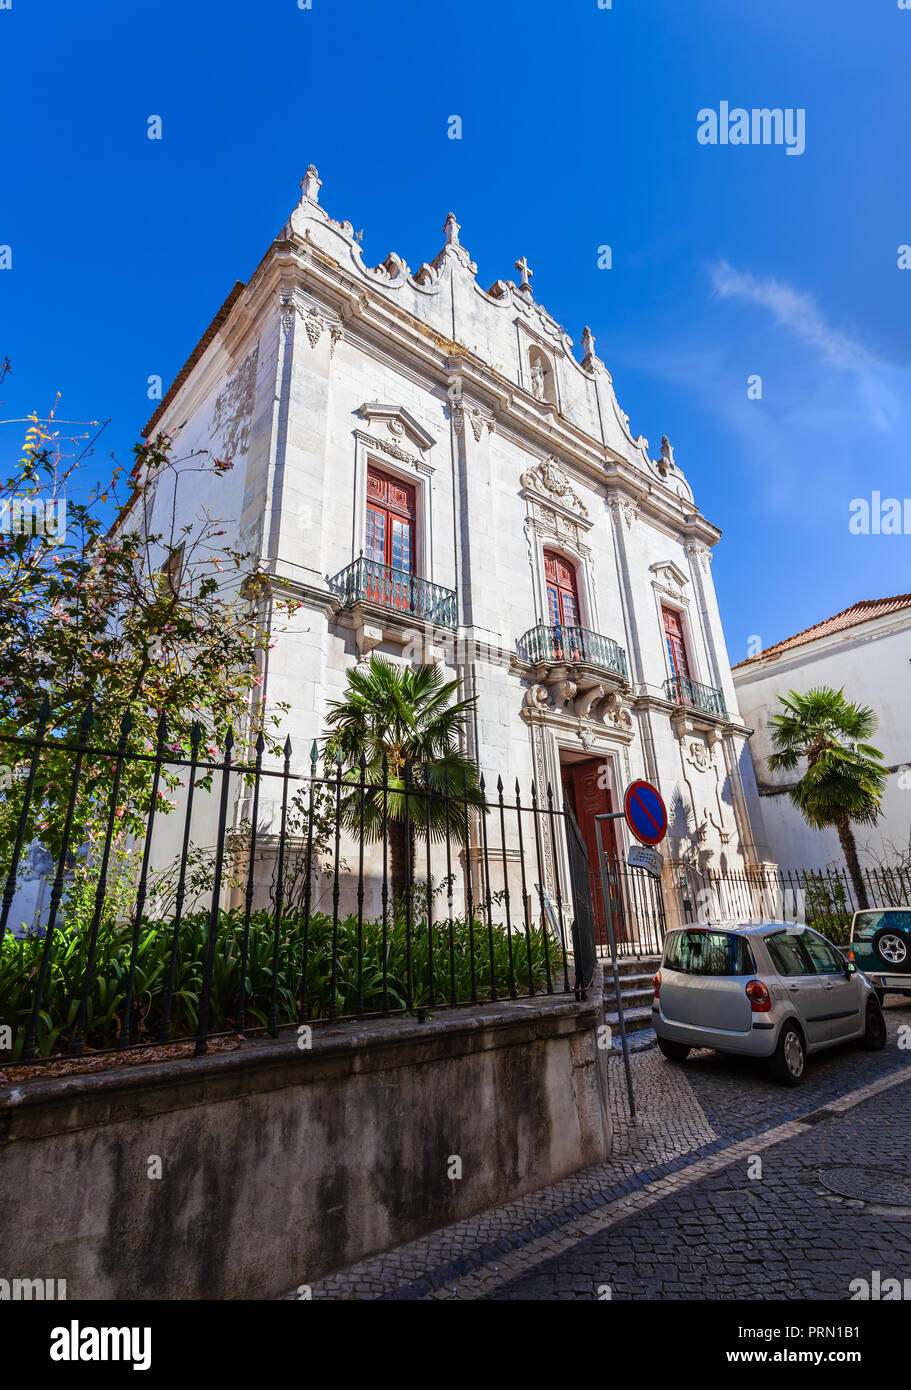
(391, 511)
(673, 635)
(562, 593)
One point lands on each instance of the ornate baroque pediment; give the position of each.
(395, 431)
(670, 579)
(547, 481)
(398, 423)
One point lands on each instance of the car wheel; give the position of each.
(789, 1059)
(891, 948)
(673, 1051)
(874, 1039)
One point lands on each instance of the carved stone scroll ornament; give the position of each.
(537, 697)
(549, 480)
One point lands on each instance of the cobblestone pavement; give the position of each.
(674, 1213)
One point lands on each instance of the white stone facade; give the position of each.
(322, 366)
(869, 660)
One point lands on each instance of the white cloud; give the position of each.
(794, 310)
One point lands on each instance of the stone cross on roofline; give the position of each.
(526, 272)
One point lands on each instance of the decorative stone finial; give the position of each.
(311, 184)
(667, 452)
(526, 272)
(588, 341)
(451, 230)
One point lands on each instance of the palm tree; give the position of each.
(396, 728)
(845, 776)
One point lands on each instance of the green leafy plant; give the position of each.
(400, 723)
(391, 971)
(845, 775)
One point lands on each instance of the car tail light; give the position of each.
(759, 997)
(657, 983)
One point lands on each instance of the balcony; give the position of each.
(689, 694)
(396, 592)
(572, 646)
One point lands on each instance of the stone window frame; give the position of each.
(678, 603)
(579, 557)
(372, 452)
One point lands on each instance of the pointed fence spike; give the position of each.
(481, 782)
(314, 753)
(517, 789)
(229, 740)
(44, 713)
(287, 748)
(126, 724)
(88, 718)
(260, 742)
(363, 761)
(162, 729)
(196, 733)
(500, 785)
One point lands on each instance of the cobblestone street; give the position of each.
(676, 1213)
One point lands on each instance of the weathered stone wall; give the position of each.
(279, 1164)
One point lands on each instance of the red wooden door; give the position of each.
(562, 604)
(673, 636)
(389, 539)
(587, 797)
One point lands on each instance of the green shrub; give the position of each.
(451, 961)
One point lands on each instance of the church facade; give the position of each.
(431, 472)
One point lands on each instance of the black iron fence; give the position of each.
(258, 896)
(825, 898)
(641, 908)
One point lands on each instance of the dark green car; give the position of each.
(881, 940)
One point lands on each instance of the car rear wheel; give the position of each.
(891, 948)
(673, 1051)
(874, 1039)
(789, 1060)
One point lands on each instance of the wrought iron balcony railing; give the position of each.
(684, 691)
(573, 644)
(367, 581)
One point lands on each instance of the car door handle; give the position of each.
(830, 986)
(793, 988)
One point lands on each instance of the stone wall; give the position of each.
(280, 1164)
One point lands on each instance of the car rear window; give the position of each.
(867, 924)
(699, 952)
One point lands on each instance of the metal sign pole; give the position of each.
(609, 923)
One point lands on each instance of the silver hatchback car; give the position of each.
(777, 990)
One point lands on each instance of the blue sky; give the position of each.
(579, 130)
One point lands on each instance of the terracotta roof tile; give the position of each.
(863, 612)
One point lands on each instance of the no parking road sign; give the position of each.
(645, 812)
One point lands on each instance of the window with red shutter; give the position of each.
(673, 636)
(390, 531)
(389, 540)
(562, 601)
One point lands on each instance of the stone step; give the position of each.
(630, 965)
(645, 980)
(632, 998)
(637, 1020)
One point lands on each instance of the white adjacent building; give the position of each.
(432, 471)
(866, 650)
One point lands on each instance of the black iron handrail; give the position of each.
(368, 581)
(573, 644)
(685, 691)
